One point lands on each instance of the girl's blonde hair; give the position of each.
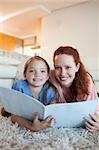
(48, 70)
(31, 60)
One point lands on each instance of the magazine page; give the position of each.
(20, 104)
(71, 114)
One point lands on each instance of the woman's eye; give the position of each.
(31, 70)
(57, 68)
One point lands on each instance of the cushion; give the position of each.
(8, 71)
(6, 83)
(20, 69)
(8, 61)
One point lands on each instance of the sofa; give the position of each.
(11, 67)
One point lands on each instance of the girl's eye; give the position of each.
(68, 67)
(43, 71)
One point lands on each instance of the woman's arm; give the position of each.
(36, 125)
(92, 124)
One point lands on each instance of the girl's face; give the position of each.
(36, 73)
(65, 69)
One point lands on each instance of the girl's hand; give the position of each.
(38, 125)
(92, 124)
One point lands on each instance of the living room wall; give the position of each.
(76, 26)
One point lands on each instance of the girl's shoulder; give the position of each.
(19, 83)
(52, 91)
(49, 87)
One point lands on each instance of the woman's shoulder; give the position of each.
(91, 88)
(90, 78)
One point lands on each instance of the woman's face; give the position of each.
(65, 69)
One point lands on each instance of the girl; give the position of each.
(36, 84)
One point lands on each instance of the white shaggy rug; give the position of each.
(13, 137)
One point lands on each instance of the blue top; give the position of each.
(47, 93)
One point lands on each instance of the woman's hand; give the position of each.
(92, 124)
(38, 125)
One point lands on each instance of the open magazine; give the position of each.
(66, 114)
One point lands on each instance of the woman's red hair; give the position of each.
(80, 85)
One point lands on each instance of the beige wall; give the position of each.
(77, 26)
(98, 28)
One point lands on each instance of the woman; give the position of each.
(73, 82)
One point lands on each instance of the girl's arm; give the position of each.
(36, 125)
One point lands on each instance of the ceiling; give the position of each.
(19, 17)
